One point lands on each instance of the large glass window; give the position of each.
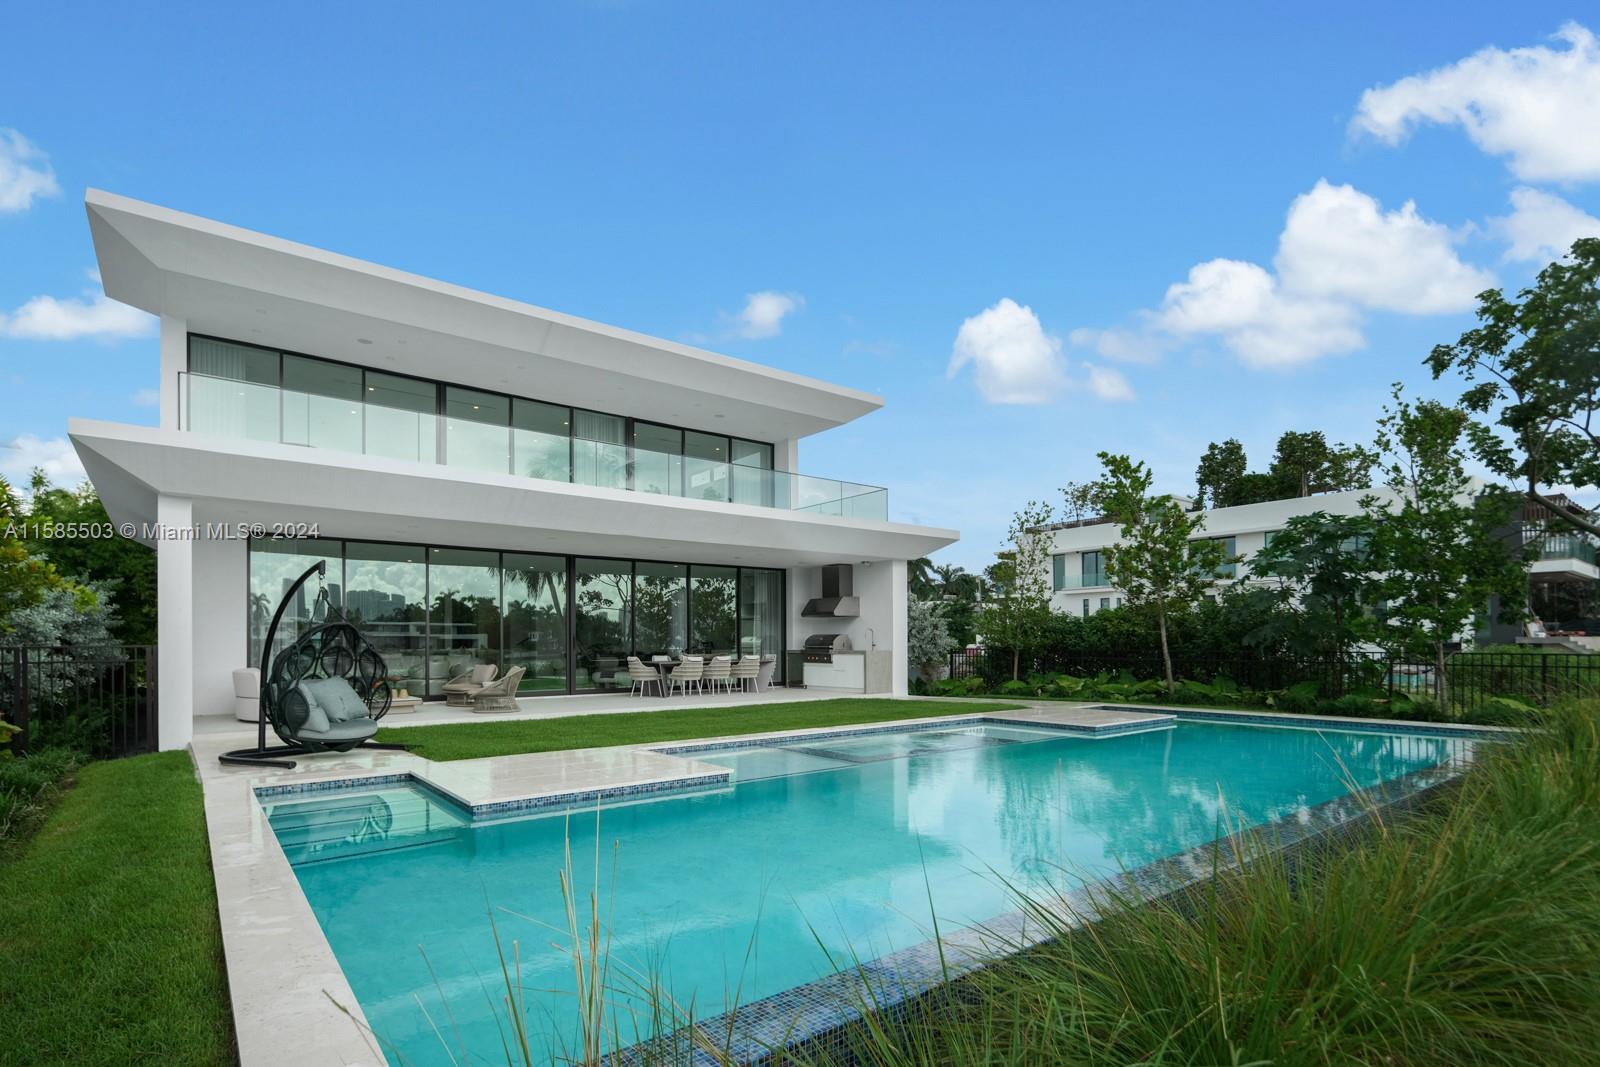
(541, 440)
(387, 598)
(705, 466)
(761, 616)
(274, 566)
(602, 607)
(1094, 570)
(657, 459)
(1058, 572)
(713, 625)
(599, 450)
(402, 419)
(233, 390)
(753, 479)
(536, 620)
(321, 404)
(477, 430)
(660, 609)
(463, 612)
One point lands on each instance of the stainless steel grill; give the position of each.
(819, 648)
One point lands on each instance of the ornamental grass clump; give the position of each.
(1465, 932)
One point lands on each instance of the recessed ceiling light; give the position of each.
(363, 340)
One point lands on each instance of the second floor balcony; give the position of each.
(555, 444)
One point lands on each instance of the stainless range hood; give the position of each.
(836, 601)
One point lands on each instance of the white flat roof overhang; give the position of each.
(369, 498)
(235, 283)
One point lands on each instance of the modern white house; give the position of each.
(1564, 580)
(488, 481)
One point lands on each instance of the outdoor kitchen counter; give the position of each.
(847, 671)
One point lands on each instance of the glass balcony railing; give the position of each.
(1560, 545)
(411, 428)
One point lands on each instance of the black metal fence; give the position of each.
(1470, 678)
(96, 699)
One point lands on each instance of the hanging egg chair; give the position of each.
(323, 692)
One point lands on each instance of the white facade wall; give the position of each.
(1249, 525)
(221, 644)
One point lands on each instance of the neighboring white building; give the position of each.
(490, 481)
(1563, 577)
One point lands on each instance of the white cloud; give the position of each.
(1539, 106)
(146, 398)
(46, 318)
(1541, 226)
(20, 455)
(1108, 383)
(1015, 361)
(25, 173)
(1339, 255)
(1339, 244)
(764, 312)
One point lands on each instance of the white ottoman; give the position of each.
(247, 694)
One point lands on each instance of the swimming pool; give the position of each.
(824, 849)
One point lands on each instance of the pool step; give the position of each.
(362, 823)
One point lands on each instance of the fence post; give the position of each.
(19, 707)
(152, 700)
(1544, 677)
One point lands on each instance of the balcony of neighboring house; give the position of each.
(1561, 554)
(246, 393)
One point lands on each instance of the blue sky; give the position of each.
(1140, 228)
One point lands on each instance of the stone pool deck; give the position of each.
(291, 1001)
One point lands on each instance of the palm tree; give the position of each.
(919, 577)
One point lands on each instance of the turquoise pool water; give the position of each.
(822, 849)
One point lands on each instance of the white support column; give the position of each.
(898, 593)
(174, 360)
(175, 621)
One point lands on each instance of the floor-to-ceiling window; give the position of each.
(753, 479)
(660, 609)
(761, 614)
(602, 623)
(386, 596)
(322, 404)
(541, 440)
(233, 390)
(402, 419)
(713, 607)
(477, 430)
(463, 612)
(657, 459)
(705, 466)
(599, 449)
(274, 566)
(434, 612)
(536, 620)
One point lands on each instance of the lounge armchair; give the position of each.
(500, 695)
(459, 690)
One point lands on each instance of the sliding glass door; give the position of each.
(536, 620)
(463, 612)
(602, 623)
(386, 596)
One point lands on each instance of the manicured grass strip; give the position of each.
(502, 737)
(108, 926)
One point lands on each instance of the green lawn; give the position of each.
(502, 737)
(108, 926)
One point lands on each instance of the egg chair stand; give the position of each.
(332, 649)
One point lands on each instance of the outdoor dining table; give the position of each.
(663, 666)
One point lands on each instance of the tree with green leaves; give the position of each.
(1080, 501)
(122, 568)
(1532, 366)
(1017, 616)
(1161, 564)
(1439, 546)
(928, 641)
(1221, 470)
(919, 577)
(1305, 464)
(1324, 567)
